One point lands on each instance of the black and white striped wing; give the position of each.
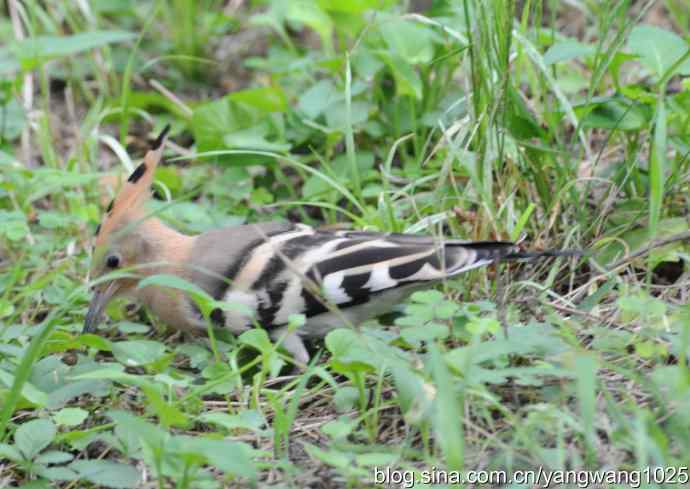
(272, 272)
(358, 266)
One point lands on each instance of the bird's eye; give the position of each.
(113, 261)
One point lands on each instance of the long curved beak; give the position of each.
(100, 299)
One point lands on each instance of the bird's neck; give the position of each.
(173, 251)
(170, 247)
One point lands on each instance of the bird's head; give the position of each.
(125, 239)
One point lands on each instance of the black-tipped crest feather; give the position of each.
(137, 173)
(161, 137)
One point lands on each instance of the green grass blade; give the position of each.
(657, 166)
(586, 371)
(448, 413)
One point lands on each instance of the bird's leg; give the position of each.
(292, 342)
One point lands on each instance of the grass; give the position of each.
(561, 125)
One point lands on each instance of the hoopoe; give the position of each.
(273, 269)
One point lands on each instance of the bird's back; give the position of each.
(274, 270)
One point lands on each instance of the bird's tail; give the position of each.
(529, 255)
(506, 250)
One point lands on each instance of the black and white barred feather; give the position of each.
(275, 270)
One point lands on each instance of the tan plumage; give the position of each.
(272, 270)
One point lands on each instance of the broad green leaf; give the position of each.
(154, 102)
(274, 18)
(612, 114)
(136, 353)
(33, 436)
(168, 414)
(483, 325)
(447, 419)
(486, 361)
(234, 458)
(649, 350)
(211, 122)
(642, 306)
(377, 459)
(521, 120)
(9, 452)
(37, 484)
(8, 62)
(409, 42)
(407, 80)
(13, 117)
(55, 220)
(30, 51)
(526, 376)
(267, 99)
(169, 176)
(538, 339)
(567, 50)
(427, 296)
(315, 186)
(107, 474)
(70, 416)
(639, 237)
(62, 395)
(415, 396)
(58, 381)
(617, 61)
(250, 420)
(56, 473)
(127, 441)
(174, 282)
(13, 225)
(338, 429)
(256, 338)
(349, 354)
(253, 138)
(54, 457)
(330, 457)
(354, 6)
(309, 13)
(127, 327)
(195, 217)
(366, 63)
(318, 98)
(415, 335)
(345, 398)
(110, 370)
(659, 49)
(340, 341)
(336, 114)
(29, 391)
(244, 110)
(139, 428)
(673, 381)
(197, 354)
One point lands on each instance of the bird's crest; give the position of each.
(128, 203)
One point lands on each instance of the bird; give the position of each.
(270, 270)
